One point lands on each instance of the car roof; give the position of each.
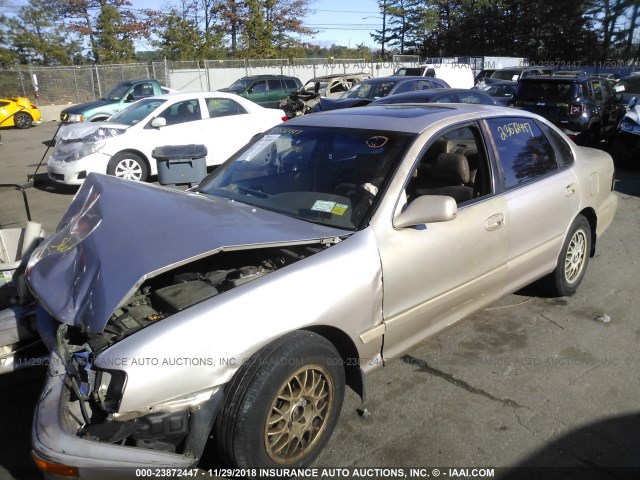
(266, 76)
(409, 118)
(428, 94)
(560, 78)
(189, 95)
(392, 78)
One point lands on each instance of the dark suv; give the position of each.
(265, 90)
(584, 106)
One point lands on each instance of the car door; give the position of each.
(184, 126)
(257, 92)
(275, 92)
(542, 196)
(435, 274)
(228, 127)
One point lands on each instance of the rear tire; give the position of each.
(572, 262)
(283, 404)
(22, 120)
(129, 166)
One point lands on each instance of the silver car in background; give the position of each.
(330, 245)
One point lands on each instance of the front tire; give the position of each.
(283, 404)
(572, 262)
(129, 166)
(22, 120)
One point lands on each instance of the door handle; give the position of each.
(570, 190)
(494, 222)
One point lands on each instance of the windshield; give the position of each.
(500, 90)
(370, 90)
(118, 92)
(136, 112)
(631, 84)
(322, 175)
(239, 85)
(505, 74)
(547, 91)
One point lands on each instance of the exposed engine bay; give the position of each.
(94, 395)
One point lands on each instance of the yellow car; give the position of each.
(18, 112)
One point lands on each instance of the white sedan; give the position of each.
(122, 145)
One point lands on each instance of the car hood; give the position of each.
(82, 107)
(117, 233)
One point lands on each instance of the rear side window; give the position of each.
(564, 155)
(405, 87)
(524, 152)
(290, 83)
(275, 84)
(550, 91)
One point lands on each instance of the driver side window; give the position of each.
(455, 164)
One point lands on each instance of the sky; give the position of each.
(343, 23)
(339, 22)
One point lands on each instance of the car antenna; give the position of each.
(31, 178)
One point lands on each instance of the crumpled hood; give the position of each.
(116, 233)
(82, 107)
(72, 131)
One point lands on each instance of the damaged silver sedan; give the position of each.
(236, 313)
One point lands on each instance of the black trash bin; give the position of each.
(180, 164)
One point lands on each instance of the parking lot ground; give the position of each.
(548, 383)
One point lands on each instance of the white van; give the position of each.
(457, 75)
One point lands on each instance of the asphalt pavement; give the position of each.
(530, 382)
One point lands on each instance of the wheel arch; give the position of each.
(590, 214)
(138, 153)
(354, 376)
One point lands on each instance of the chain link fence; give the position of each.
(77, 84)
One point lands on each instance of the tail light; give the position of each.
(33, 107)
(576, 109)
(284, 119)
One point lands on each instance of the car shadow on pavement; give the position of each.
(608, 449)
(20, 392)
(41, 182)
(628, 180)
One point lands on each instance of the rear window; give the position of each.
(547, 91)
(506, 74)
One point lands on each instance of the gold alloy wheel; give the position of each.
(574, 260)
(299, 414)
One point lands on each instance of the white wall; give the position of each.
(200, 80)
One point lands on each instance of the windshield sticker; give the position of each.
(510, 129)
(289, 131)
(323, 206)
(258, 146)
(377, 141)
(339, 209)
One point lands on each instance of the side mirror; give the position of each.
(633, 102)
(129, 98)
(427, 209)
(159, 122)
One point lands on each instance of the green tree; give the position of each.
(34, 38)
(81, 17)
(112, 43)
(178, 38)
(257, 34)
